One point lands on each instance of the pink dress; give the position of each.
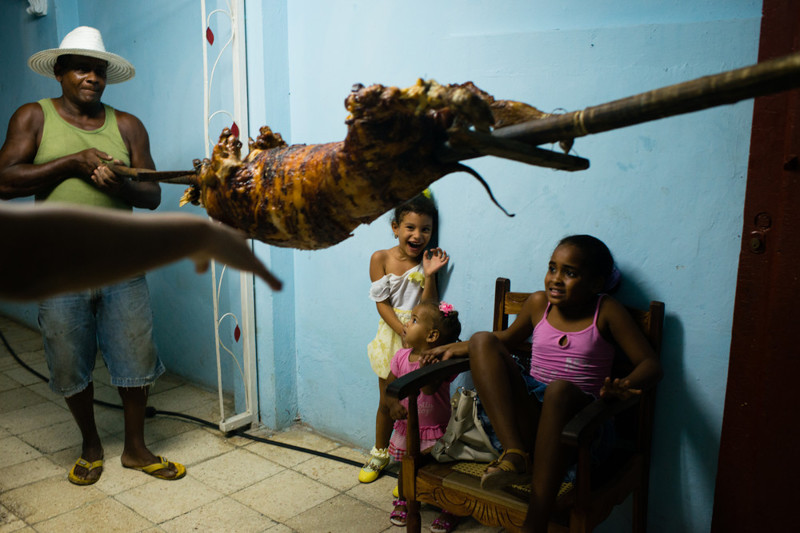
(434, 409)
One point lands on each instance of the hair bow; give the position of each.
(445, 308)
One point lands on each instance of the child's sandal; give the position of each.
(398, 517)
(506, 473)
(378, 459)
(445, 523)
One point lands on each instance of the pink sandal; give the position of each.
(445, 523)
(398, 517)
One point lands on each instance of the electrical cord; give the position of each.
(151, 412)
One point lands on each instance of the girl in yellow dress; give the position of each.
(401, 276)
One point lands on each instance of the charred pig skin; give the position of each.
(311, 197)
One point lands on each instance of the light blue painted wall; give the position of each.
(666, 196)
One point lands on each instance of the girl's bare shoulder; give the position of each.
(537, 299)
(379, 255)
(535, 305)
(377, 264)
(612, 312)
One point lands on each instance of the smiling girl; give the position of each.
(401, 276)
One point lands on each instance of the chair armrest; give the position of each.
(412, 382)
(581, 428)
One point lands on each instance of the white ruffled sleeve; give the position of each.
(380, 289)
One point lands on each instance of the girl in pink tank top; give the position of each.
(575, 334)
(581, 357)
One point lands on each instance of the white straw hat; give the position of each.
(83, 41)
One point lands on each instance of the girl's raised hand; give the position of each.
(618, 388)
(433, 260)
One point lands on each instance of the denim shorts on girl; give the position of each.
(601, 446)
(117, 319)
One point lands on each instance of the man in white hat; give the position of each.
(58, 149)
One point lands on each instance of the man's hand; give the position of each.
(107, 181)
(230, 246)
(87, 161)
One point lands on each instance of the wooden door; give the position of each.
(757, 481)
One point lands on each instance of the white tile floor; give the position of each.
(233, 484)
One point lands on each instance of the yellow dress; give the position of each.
(403, 293)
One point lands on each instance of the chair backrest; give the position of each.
(509, 303)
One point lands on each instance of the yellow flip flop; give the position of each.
(75, 480)
(151, 470)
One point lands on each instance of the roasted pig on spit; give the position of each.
(313, 196)
(399, 141)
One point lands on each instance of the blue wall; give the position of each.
(666, 196)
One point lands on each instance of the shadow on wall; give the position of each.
(685, 437)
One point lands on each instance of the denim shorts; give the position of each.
(117, 319)
(534, 387)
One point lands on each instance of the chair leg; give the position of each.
(640, 510)
(413, 519)
(577, 523)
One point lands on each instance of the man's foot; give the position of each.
(85, 472)
(154, 466)
(378, 459)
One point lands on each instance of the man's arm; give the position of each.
(19, 176)
(53, 249)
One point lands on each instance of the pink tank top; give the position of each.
(581, 357)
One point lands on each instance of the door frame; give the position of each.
(755, 488)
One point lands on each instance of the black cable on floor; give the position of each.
(151, 412)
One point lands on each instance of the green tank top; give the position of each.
(60, 138)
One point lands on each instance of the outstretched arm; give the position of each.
(53, 249)
(518, 331)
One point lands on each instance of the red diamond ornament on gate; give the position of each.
(210, 35)
(236, 333)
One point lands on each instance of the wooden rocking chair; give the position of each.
(597, 489)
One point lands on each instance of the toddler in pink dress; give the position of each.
(429, 325)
